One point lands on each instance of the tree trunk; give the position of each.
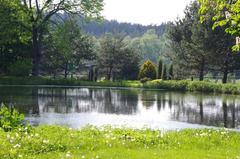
(226, 70)
(90, 74)
(95, 74)
(36, 42)
(109, 75)
(201, 75)
(225, 76)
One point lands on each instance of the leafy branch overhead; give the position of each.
(226, 14)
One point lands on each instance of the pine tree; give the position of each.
(148, 70)
(160, 67)
(171, 72)
(164, 73)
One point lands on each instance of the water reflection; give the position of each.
(117, 106)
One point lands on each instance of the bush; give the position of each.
(231, 89)
(148, 70)
(20, 68)
(203, 86)
(169, 85)
(10, 120)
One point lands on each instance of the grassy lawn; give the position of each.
(114, 143)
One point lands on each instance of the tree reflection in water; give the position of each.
(211, 110)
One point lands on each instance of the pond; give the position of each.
(158, 109)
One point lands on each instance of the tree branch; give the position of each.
(51, 13)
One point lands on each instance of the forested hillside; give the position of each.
(132, 30)
(100, 27)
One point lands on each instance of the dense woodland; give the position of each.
(48, 43)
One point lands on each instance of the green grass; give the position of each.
(47, 142)
(66, 82)
(175, 85)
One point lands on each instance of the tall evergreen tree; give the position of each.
(160, 69)
(171, 76)
(164, 73)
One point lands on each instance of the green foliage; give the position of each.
(20, 68)
(10, 119)
(15, 38)
(33, 16)
(117, 59)
(66, 47)
(231, 89)
(197, 48)
(226, 15)
(203, 86)
(194, 86)
(168, 85)
(107, 142)
(148, 70)
(130, 67)
(149, 45)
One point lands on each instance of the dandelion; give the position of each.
(83, 156)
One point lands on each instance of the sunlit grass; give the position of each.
(119, 143)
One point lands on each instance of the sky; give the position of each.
(144, 11)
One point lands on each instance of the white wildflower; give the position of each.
(45, 141)
(17, 146)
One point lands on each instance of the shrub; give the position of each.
(20, 68)
(10, 119)
(148, 70)
(169, 85)
(203, 86)
(231, 89)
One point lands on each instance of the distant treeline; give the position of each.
(101, 27)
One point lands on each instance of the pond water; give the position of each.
(157, 109)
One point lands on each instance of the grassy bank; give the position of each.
(65, 82)
(90, 142)
(181, 85)
(194, 86)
